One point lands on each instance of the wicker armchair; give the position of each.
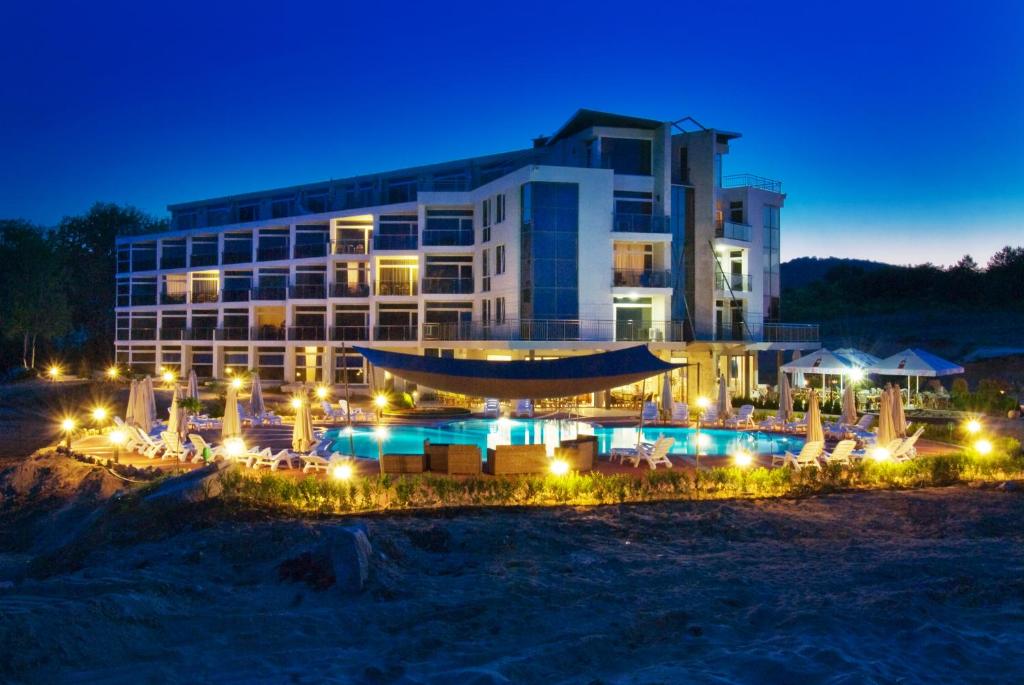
(579, 453)
(507, 460)
(455, 460)
(401, 463)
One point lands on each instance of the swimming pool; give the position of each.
(491, 432)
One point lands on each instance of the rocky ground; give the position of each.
(911, 587)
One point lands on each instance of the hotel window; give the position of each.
(281, 207)
(273, 244)
(235, 325)
(310, 282)
(397, 276)
(396, 322)
(350, 280)
(499, 260)
(124, 292)
(309, 324)
(143, 360)
(396, 232)
(401, 190)
(309, 364)
(202, 362)
(172, 254)
(218, 216)
(249, 213)
(485, 311)
(352, 235)
(447, 320)
(360, 194)
(448, 274)
(448, 227)
(185, 221)
(205, 285)
(204, 251)
(629, 156)
(348, 368)
(485, 213)
(123, 326)
(173, 324)
(270, 363)
(143, 256)
(237, 248)
(124, 259)
(351, 322)
(311, 240)
(143, 327)
(499, 310)
(144, 291)
(485, 269)
(736, 211)
(499, 208)
(236, 359)
(316, 201)
(171, 356)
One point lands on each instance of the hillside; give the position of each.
(802, 271)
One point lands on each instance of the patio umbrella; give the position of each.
(150, 400)
(785, 412)
(915, 363)
(141, 415)
(724, 405)
(849, 415)
(666, 396)
(193, 384)
(231, 426)
(176, 418)
(899, 419)
(302, 433)
(256, 406)
(129, 411)
(886, 431)
(815, 433)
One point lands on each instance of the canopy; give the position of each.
(854, 357)
(914, 362)
(523, 379)
(819, 361)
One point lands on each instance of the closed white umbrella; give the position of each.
(815, 433)
(150, 400)
(176, 417)
(129, 411)
(785, 412)
(231, 425)
(666, 396)
(899, 418)
(849, 415)
(724, 405)
(141, 416)
(256, 406)
(302, 433)
(193, 384)
(886, 431)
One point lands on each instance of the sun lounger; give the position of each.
(907, 450)
(329, 413)
(842, 453)
(148, 446)
(173, 447)
(523, 408)
(744, 418)
(709, 417)
(492, 408)
(808, 456)
(657, 455)
(282, 458)
(650, 412)
(680, 412)
(357, 413)
(315, 462)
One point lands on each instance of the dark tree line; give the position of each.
(57, 287)
(850, 290)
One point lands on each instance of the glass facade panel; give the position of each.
(549, 250)
(626, 156)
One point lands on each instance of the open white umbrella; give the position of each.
(666, 396)
(849, 415)
(231, 425)
(724, 405)
(302, 433)
(785, 412)
(886, 431)
(176, 417)
(193, 384)
(899, 418)
(815, 433)
(256, 406)
(129, 411)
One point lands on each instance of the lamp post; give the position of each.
(117, 439)
(380, 402)
(54, 373)
(112, 373)
(380, 433)
(702, 405)
(68, 426)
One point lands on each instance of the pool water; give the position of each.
(487, 433)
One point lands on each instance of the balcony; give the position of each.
(143, 299)
(269, 293)
(768, 332)
(234, 295)
(737, 283)
(401, 288)
(395, 333)
(448, 238)
(733, 231)
(171, 333)
(203, 293)
(198, 333)
(349, 247)
(232, 333)
(641, 278)
(639, 223)
(394, 242)
(143, 334)
(173, 261)
(143, 263)
(308, 291)
(203, 259)
(173, 298)
(236, 256)
(267, 332)
(350, 290)
(751, 181)
(350, 333)
(447, 286)
(308, 250)
(271, 254)
(307, 333)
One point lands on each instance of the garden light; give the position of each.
(973, 426)
(168, 377)
(117, 438)
(983, 447)
(743, 459)
(559, 467)
(296, 402)
(703, 402)
(342, 472)
(856, 374)
(99, 414)
(381, 401)
(234, 447)
(113, 373)
(321, 393)
(236, 383)
(54, 372)
(68, 426)
(880, 454)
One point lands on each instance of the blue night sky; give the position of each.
(896, 128)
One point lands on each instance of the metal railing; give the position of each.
(269, 293)
(143, 333)
(203, 259)
(741, 283)
(171, 333)
(203, 293)
(733, 231)
(173, 298)
(347, 333)
(555, 330)
(349, 247)
(232, 333)
(396, 287)
(307, 250)
(236, 256)
(144, 264)
(235, 295)
(308, 291)
(639, 223)
(752, 181)
(350, 290)
(198, 334)
(447, 286)
(143, 299)
(307, 332)
(445, 185)
(267, 333)
(271, 254)
(641, 278)
(772, 332)
(395, 333)
(448, 237)
(394, 242)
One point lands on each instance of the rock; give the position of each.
(195, 486)
(349, 551)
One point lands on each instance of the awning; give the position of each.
(546, 378)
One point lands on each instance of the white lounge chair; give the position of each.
(329, 412)
(907, 450)
(798, 426)
(315, 462)
(841, 453)
(654, 456)
(173, 447)
(492, 408)
(680, 412)
(274, 461)
(148, 446)
(744, 418)
(709, 417)
(650, 411)
(357, 413)
(201, 446)
(808, 456)
(523, 408)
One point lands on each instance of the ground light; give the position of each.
(54, 372)
(236, 383)
(113, 372)
(342, 472)
(321, 392)
(880, 454)
(559, 467)
(743, 459)
(983, 447)
(973, 426)
(168, 377)
(117, 439)
(381, 402)
(68, 426)
(234, 447)
(100, 414)
(296, 402)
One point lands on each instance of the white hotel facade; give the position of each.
(613, 231)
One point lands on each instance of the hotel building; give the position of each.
(611, 232)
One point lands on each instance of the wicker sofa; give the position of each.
(507, 460)
(402, 463)
(455, 460)
(579, 453)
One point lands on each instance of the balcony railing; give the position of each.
(236, 256)
(350, 290)
(232, 333)
(752, 181)
(143, 334)
(349, 247)
(350, 333)
(740, 283)
(767, 332)
(271, 293)
(639, 223)
(448, 238)
(267, 332)
(307, 250)
(733, 231)
(395, 333)
(171, 333)
(394, 242)
(143, 299)
(640, 278)
(173, 261)
(308, 291)
(173, 298)
(198, 333)
(143, 263)
(234, 295)
(396, 287)
(271, 254)
(307, 332)
(447, 286)
(202, 293)
(203, 259)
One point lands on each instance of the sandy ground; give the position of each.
(910, 587)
